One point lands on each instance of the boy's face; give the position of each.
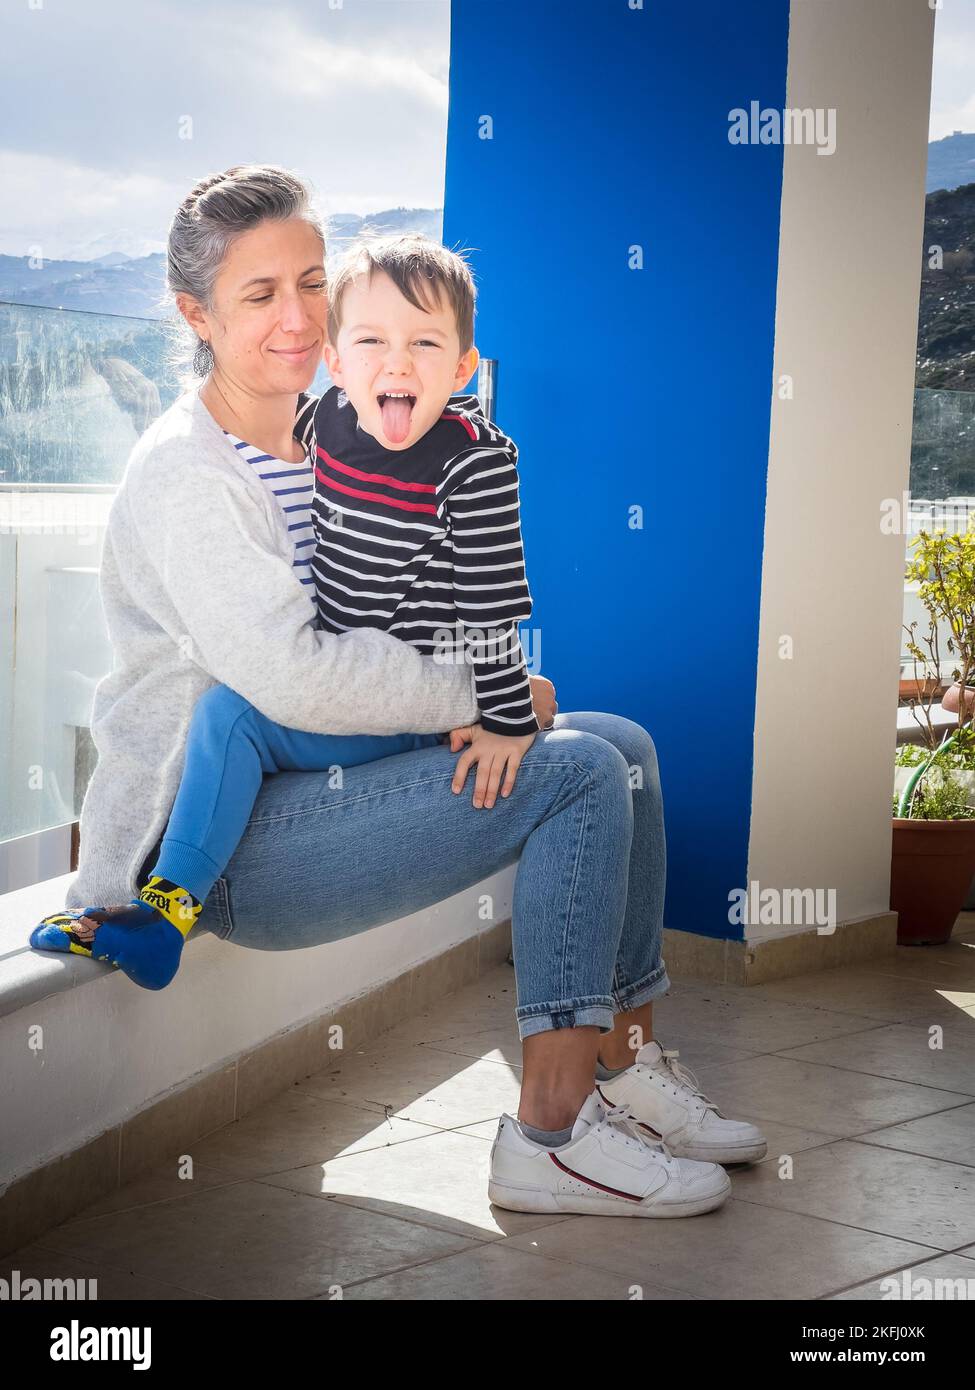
(386, 345)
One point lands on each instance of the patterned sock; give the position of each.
(177, 905)
(144, 939)
(56, 933)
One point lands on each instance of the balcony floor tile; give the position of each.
(371, 1174)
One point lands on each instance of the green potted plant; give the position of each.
(933, 846)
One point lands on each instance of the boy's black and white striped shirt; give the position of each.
(425, 543)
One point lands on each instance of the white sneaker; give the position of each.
(667, 1104)
(605, 1169)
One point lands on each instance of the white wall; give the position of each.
(846, 332)
(111, 1048)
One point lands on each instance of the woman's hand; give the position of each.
(493, 753)
(543, 701)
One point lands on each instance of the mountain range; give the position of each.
(946, 314)
(951, 161)
(135, 285)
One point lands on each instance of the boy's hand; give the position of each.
(493, 753)
(543, 701)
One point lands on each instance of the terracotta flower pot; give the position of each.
(918, 688)
(932, 865)
(952, 697)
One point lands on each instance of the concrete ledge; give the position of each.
(727, 962)
(206, 1102)
(100, 1076)
(26, 975)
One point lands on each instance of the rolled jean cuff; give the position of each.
(652, 986)
(594, 1010)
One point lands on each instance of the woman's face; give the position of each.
(268, 325)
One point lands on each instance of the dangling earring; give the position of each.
(203, 358)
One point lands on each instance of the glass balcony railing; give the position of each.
(942, 494)
(943, 445)
(942, 461)
(76, 392)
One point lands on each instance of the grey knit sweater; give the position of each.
(198, 587)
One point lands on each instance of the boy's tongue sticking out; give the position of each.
(397, 411)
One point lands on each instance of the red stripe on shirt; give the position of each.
(429, 507)
(351, 472)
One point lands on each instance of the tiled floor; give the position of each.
(371, 1177)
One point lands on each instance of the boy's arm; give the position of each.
(491, 591)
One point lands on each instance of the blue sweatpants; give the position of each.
(229, 748)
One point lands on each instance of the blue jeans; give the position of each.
(319, 861)
(230, 746)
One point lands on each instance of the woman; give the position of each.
(201, 584)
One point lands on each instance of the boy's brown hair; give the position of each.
(423, 271)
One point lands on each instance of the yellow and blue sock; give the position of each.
(144, 939)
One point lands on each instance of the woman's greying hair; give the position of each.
(423, 270)
(214, 214)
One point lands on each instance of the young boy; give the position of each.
(417, 532)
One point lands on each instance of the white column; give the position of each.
(846, 333)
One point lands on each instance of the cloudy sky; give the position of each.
(953, 78)
(354, 98)
(93, 93)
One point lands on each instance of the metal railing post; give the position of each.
(487, 387)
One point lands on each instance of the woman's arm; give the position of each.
(214, 577)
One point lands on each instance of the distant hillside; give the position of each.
(105, 286)
(951, 161)
(946, 319)
(117, 284)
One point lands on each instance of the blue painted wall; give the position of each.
(623, 387)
